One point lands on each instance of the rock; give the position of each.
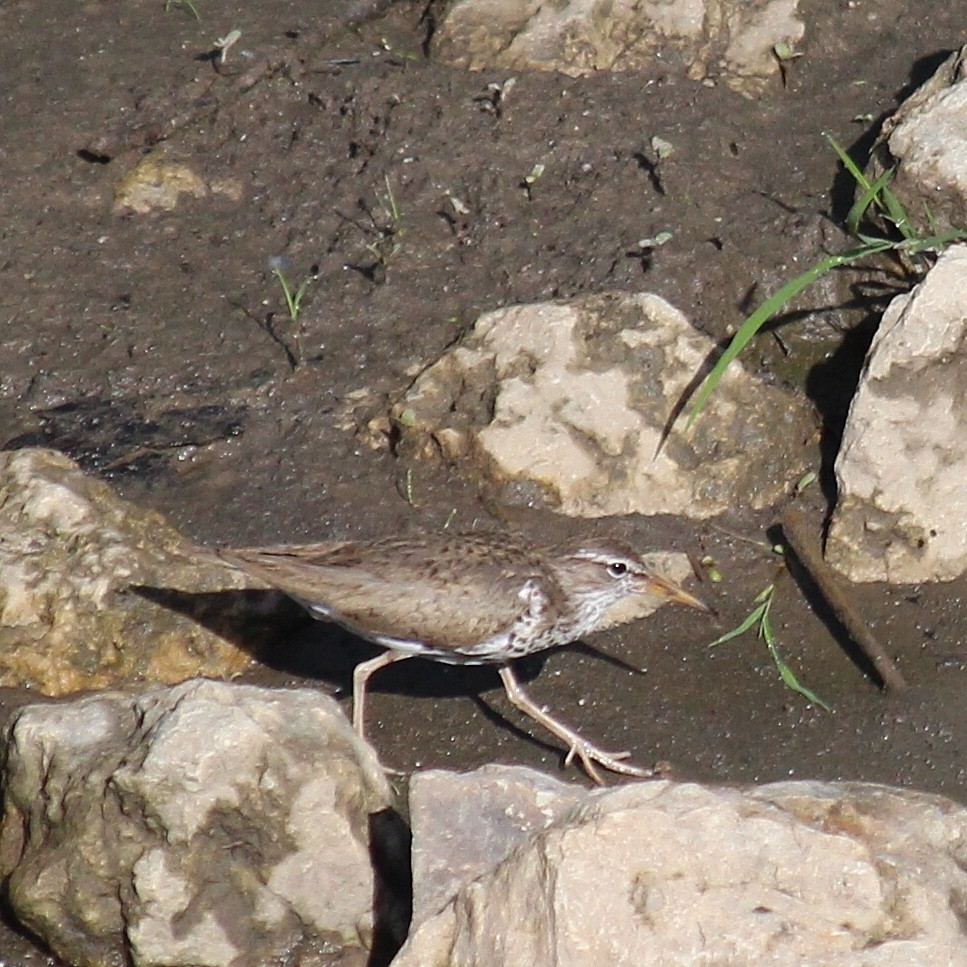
(570, 402)
(926, 140)
(464, 824)
(157, 184)
(67, 544)
(730, 38)
(901, 465)
(206, 824)
(676, 874)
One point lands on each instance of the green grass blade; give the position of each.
(760, 616)
(875, 243)
(285, 287)
(849, 164)
(897, 214)
(790, 681)
(747, 331)
(750, 620)
(765, 595)
(870, 196)
(301, 291)
(874, 193)
(293, 300)
(933, 243)
(786, 673)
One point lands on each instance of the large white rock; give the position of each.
(573, 401)
(903, 459)
(926, 141)
(734, 39)
(669, 874)
(205, 824)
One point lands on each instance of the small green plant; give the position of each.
(407, 489)
(759, 615)
(182, 5)
(293, 297)
(531, 179)
(875, 200)
(391, 231)
(224, 44)
(385, 44)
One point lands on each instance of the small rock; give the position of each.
(573, 400)
(734, 38)
(901, 465)
(845, 874)
(158, 183)
(206, 823)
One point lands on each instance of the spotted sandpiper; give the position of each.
(469, 599)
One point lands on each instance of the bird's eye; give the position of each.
(617, 568)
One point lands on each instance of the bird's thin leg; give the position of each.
(361, 675)
(586, 751)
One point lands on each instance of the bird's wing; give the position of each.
(450, 611)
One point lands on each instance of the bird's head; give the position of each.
(606, 583)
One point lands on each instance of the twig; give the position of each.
(797, 537)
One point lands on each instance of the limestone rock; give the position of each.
(157, 184)
(464, 824)
(571, 401)
(67, 544)
(926, 140)
(205, 824)
(842, 875)
(902, 463)
(734, 39)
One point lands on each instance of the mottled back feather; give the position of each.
(402, 590)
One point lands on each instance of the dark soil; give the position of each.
(157, 348)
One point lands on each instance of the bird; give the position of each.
(474, 599)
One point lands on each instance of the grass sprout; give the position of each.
(406, 490)
(760, 616)
(293, 297)
(531, 179)
(385, 44)
(224, 44)
(875, 203)
(390, 233)
(182, 5)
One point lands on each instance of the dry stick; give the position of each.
(797, 536)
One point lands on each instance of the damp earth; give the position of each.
(157, 348)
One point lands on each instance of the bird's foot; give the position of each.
(588, 754)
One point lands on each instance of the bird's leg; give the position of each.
(587, 752)
(361, 675)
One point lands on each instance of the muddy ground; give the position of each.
(157, 349)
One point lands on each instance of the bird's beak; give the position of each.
(670, 591)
